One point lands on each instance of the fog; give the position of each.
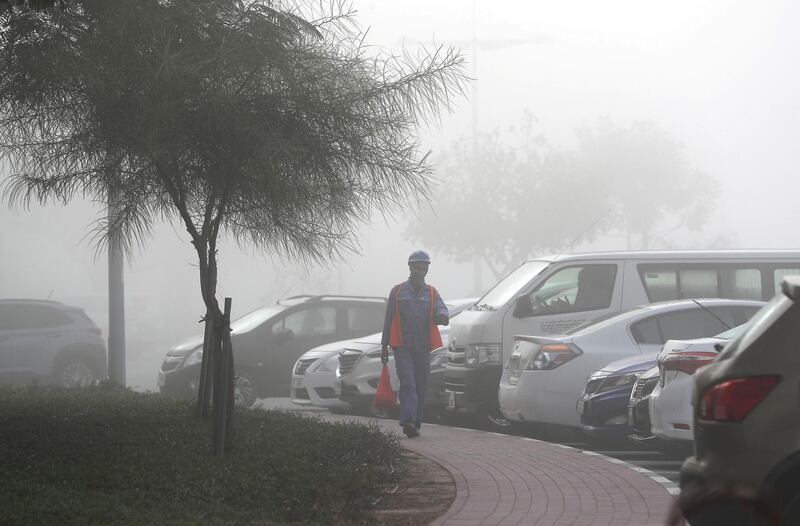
(720, 77)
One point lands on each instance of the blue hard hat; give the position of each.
(419, 255)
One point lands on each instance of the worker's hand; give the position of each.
(385, 355)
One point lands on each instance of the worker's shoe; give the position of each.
(410, 430)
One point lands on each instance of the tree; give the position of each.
(506, 197)
(511, 196)
(651, 185)
(269, 122)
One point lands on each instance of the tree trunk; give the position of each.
(204, 386)
(223, 387)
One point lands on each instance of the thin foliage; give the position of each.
(272, 122)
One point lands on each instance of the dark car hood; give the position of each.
(629, 365)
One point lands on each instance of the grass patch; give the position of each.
(106, 454)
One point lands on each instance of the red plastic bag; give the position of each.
(384, 396)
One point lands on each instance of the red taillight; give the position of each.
(732, 400)
(687, 362)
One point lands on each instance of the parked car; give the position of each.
(747, 415)
(593, 285)
(603, 405)
(359, 367)
(544, 376)
(49, 342)
(611, 407)
(670, 403)
(639, 406)
(314, 376)
(268, 341)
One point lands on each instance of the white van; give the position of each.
(550, 295)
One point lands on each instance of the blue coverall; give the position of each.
(412, 359)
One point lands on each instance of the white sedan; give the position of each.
(670, 405)
(313, 376)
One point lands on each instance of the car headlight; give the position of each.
(619, 380)
(439, 357)
(487, 353)
(194, 357)
(550, 356)
(328, 365)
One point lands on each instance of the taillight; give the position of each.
(551, 355)
(687, 362)
(732, 400)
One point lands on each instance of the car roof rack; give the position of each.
(320, 297)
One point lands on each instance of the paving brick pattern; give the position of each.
(506, 480)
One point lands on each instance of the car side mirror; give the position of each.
(523, 307)
(719, 346)
(283, 336)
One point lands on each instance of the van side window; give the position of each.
(698, 284)
(741, 283)
(662, 283)
(575, 289)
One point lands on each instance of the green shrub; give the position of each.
(106, 454)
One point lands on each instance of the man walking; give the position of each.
(413, 312)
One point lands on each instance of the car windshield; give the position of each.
(253, 319)
(510, 286)
(733, 333)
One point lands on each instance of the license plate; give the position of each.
(579, 406)
(297, 383)
(451, 400)
(337, 387)
(162, 379)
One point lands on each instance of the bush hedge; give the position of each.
(106, 454)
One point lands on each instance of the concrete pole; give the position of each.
(477, 264)
(116, 303)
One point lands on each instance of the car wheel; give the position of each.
(75, 372)
(245, 390)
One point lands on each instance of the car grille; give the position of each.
(640, 413)
(643, 388)
(347, 361)
(325, 392)
(303, 364)
(455, 385)
(455, 355)
(593, 385)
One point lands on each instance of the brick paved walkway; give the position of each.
(505, 480)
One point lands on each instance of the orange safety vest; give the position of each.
(395, 331)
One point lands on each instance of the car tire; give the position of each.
(245, 389)
(74, 371)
